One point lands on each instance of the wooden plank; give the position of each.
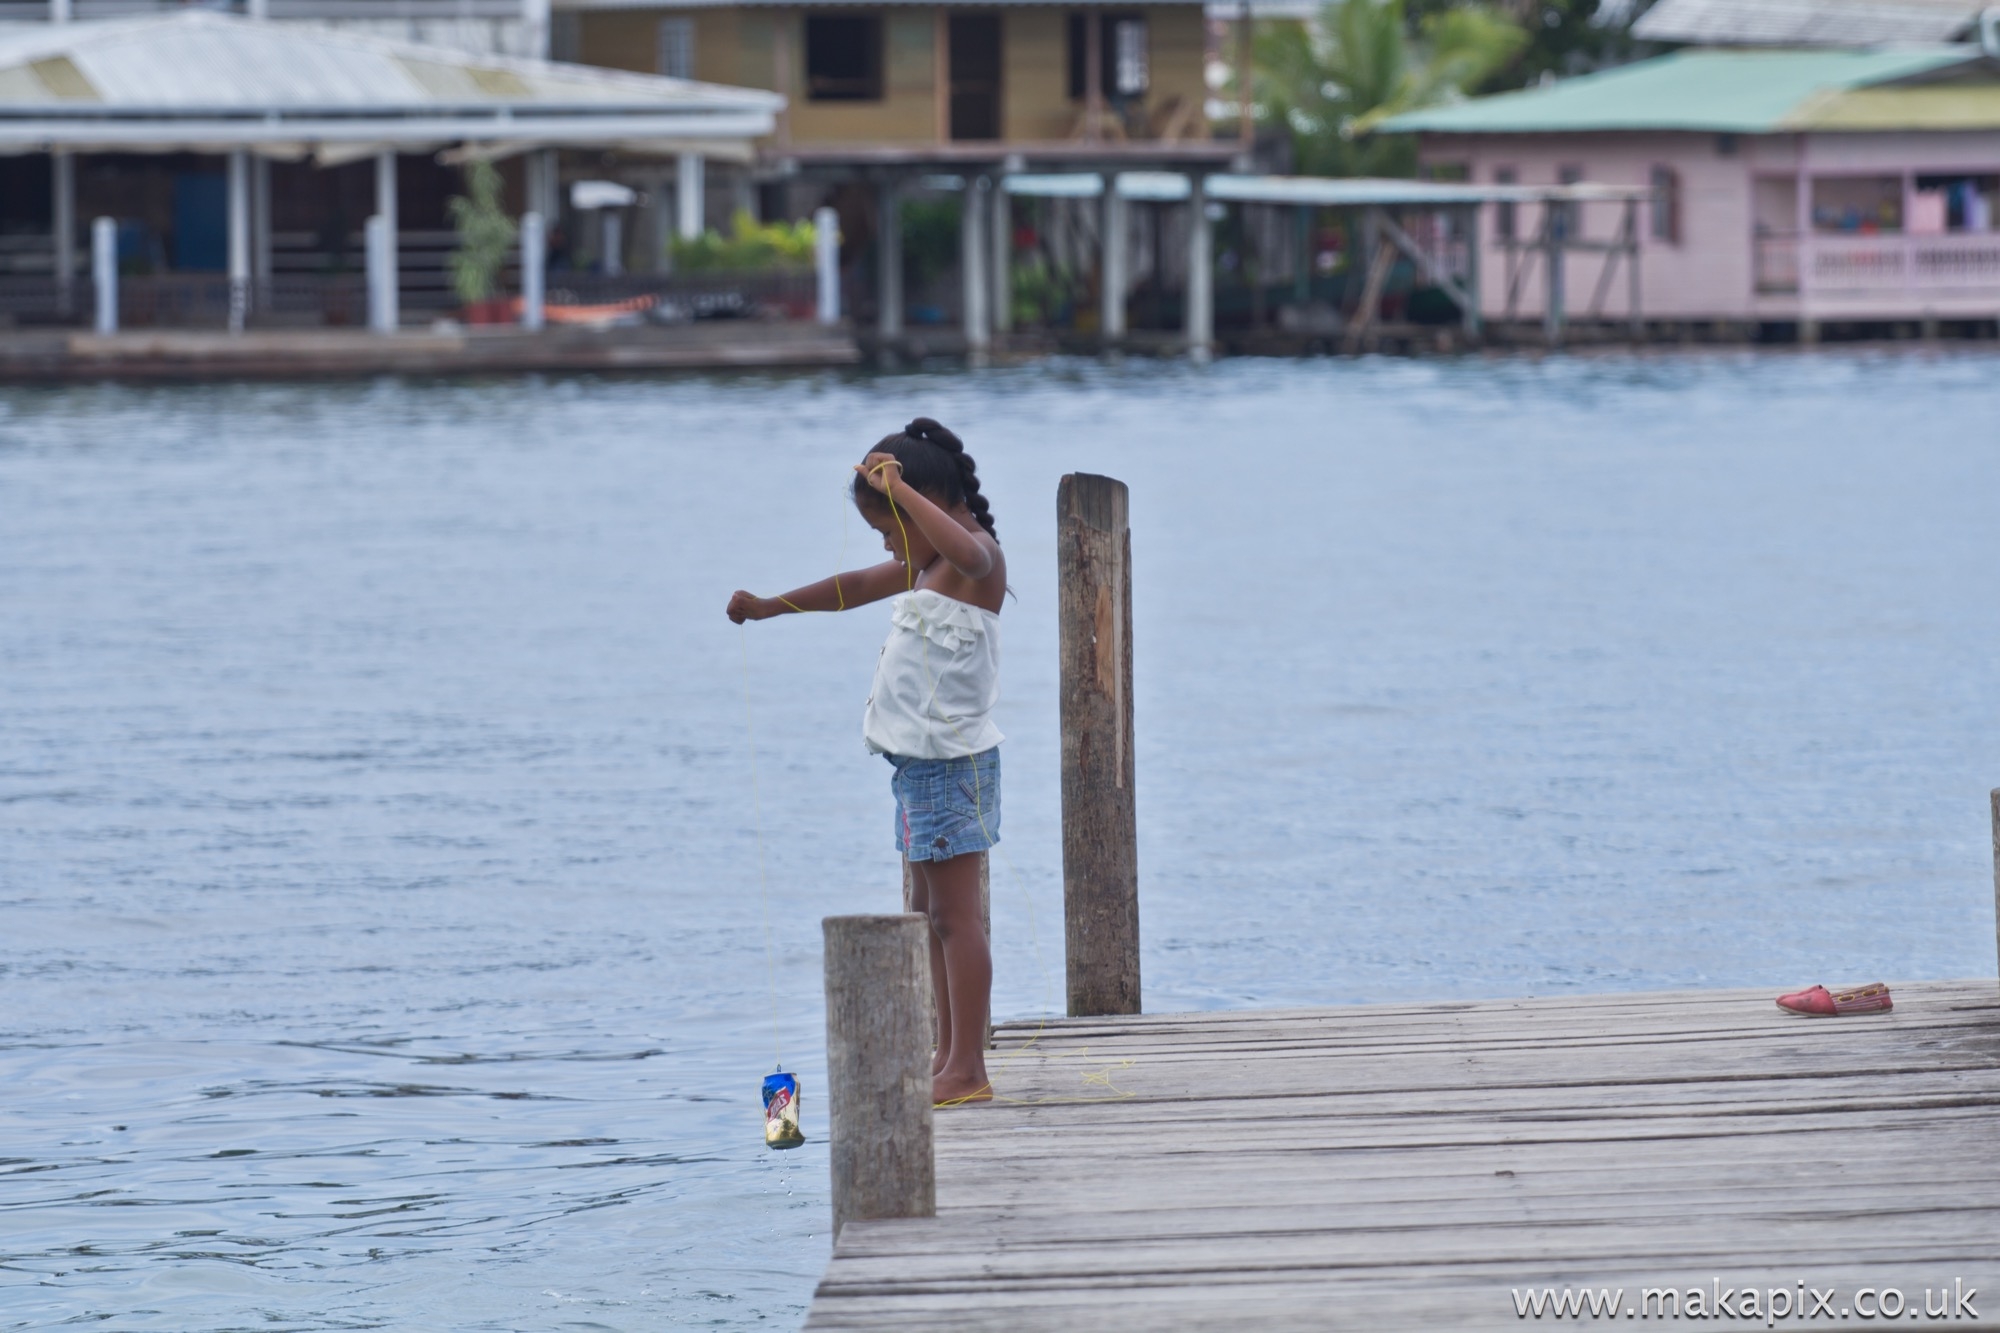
(1406, 1166)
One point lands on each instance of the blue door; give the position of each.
(201, 222)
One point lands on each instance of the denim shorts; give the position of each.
(946, 807)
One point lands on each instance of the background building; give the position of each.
(1797, 187)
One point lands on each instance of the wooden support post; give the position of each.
(104, 273)
(973, 215)
(889, 260)
(1555, 232)
(878, 1067)
(1112, 264)
(1371, 298)
(690, 202)
(1996, 867)
(1302, 255)
(1633, 312)
(1000, 234)
(1426, 264)
(1199, 316)
(239, 239)
(260, 232)
(1100, 820)
(62, 210)
(534, 271)
(1470, 314)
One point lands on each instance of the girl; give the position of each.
(930, 713)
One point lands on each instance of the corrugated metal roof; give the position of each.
(1851, 23)
(203, 63)
(1733, 92)
(1320, 191)
(1930, 107)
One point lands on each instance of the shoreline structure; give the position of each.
(32, 356)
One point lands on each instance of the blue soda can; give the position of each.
(781, 1111)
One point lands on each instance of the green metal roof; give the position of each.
(1727, 92)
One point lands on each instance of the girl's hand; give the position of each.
(876, 469)
(748, 606)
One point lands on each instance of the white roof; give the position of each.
(1805, 22)
(203, 81)
(1319, 191)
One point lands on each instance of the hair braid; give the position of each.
(931, 432)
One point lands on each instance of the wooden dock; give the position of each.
(193, 354)
(1413, 1166)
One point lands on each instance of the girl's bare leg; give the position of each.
(959, 943)
(920, 901)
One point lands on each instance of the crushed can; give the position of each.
(781, 1111)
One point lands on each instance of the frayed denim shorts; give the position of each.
(946, 807)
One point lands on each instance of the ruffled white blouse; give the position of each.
(937, 680)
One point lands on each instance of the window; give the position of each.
(1505, 223)
(844, 57)
(675, 48)
(1867, 205)
(1123, 70)
(1954, 203)
(1665, 207)
(1130, 75)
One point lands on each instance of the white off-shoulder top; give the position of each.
(937, 680)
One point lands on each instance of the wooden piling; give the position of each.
(1100, 823)
(878, 1062)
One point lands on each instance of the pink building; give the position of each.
(1791, 187)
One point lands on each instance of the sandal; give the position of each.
(1818, 1002)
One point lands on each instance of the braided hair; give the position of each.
(934, 462)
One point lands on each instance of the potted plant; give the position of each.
(485, 235)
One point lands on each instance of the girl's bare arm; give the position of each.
(857, 588)
(970, 553)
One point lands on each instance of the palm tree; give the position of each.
(1331, 81)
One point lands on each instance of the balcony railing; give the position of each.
(1836, 265)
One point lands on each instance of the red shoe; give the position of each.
(1818, 1002)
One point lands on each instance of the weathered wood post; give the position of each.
(878, 1067)
(1100, 821)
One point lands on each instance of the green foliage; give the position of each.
(1565, 37)
(485, 234)
(750, 247)
(1330, 82)
(930, 238)
(1041, 294)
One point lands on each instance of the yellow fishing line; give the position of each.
(1034, 937)
(1101, 1077)
(763, 879)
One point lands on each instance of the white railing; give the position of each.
(1775, 263)
(1878, 265)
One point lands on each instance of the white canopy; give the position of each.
(197, 81)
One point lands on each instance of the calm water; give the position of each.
(379, 893)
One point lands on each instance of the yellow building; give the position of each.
(912, 74)
(891, 103)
